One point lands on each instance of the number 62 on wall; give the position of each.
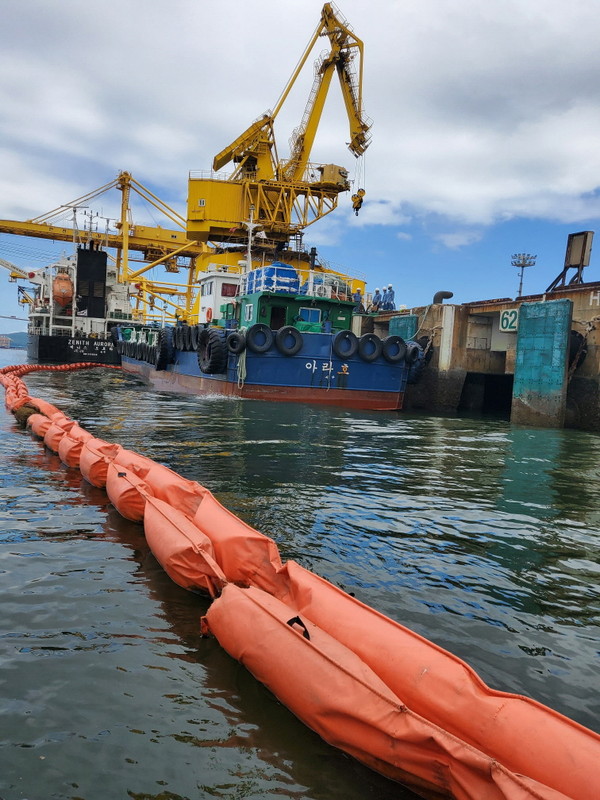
(509, 320)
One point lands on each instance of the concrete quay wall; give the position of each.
(534, 360)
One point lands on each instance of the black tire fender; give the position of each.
(424, 342)
(212, 351)
(394, 349)
(345, 344)
(412, 353)
(259, 338)
(236, 342)
(194, 334)
(282, 338)
(164, 348)
(369, 347)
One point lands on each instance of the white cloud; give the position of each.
(483, 112)
(458, 239)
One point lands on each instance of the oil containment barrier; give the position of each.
(367, 685)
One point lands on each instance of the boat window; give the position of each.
(207, 289)
(229, 290)
(248, 312)
(310, 314)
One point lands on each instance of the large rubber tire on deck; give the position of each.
(288, 340)
(369, 347)
(345, 344)
(164, 348)
(259, 338)
(212, 351)
(394, 349)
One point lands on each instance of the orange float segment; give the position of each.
(39, 424)
(167, 485)
(184, 552)
(19, 401)
(71, 445)
(96, 455)
(45, 408)
(524, 735)
(245, 555)
(333, 691)
(55, 433)
(127, 492)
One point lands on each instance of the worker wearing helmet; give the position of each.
(390, 305)
(376, 301)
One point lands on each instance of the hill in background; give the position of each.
(18, 339)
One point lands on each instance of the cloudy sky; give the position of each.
(486, 118)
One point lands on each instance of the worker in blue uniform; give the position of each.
(389, 302)
(358, 302)
(376, 301)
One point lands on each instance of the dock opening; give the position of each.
(487, 394)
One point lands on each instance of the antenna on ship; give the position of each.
(76, 237)
(250, 225)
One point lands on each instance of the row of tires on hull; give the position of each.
(213, 345)
(288, 340)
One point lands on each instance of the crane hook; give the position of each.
(357, 200)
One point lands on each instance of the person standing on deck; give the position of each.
(376, 301)
(384, 300)
(358, 302)
(390, 305)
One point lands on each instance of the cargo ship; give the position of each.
(74, 306)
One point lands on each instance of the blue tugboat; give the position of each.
(284, 335)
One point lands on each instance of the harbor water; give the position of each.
(481, 536)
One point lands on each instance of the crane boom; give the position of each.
(344, 47)
(285, 196)
(15, 272)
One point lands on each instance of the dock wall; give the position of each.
(528, 360)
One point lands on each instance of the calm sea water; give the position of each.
(481, 536)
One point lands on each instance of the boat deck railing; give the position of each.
(78, 334)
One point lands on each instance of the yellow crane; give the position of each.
(284, 196)
(150, 246)
(281, 196)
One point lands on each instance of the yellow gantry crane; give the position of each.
(284, 196)
(137, 248)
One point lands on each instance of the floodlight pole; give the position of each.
(521, 261)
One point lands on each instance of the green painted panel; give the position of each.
(540, 382)
(405, 326)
